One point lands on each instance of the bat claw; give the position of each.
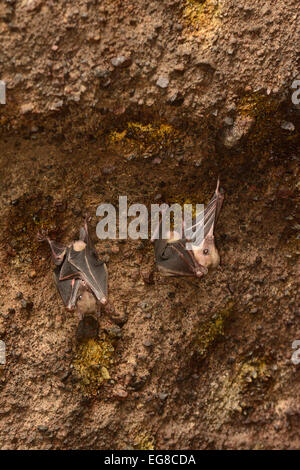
(116, 317)
(104, 301)
(42, 235)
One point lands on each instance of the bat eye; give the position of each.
(205, 252)
(79, 297)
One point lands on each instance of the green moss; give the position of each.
(92, 362)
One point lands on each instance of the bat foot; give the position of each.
(118, 318)
(148, 276)
(42, 235)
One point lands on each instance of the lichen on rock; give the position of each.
(93, 359)
(144, 441)
(208, 331)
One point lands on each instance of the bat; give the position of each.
(80, 277)
(172, 256)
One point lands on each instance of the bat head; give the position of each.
(86, 303)
(207, 254)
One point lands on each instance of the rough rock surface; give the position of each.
(110, 56)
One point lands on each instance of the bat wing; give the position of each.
(173, 259)
(210, 217)
(171, 256)
(58, 251)
(86, 264)
(67, 288)
(68, 270)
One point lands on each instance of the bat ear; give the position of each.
(83, 236)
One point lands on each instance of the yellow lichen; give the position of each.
(116, 136)
(258, 106)
(256, 368)
(144, 442)
(199, 13)
(92, 362)
(210, 330)
(139, 137)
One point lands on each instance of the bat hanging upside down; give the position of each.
(80, 277)
(174, 259)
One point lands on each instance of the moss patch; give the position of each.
(92, 362)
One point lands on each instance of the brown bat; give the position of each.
(80, 277)
(174, 259)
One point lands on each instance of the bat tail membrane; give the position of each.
(83, 235)
(84, 231)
